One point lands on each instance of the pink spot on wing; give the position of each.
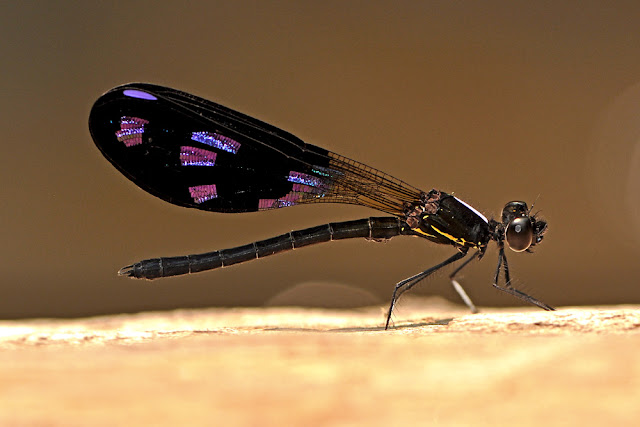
(264, 204)
(293, 197)
(289, 200)
(131, 130)
(202, 193)
(192, 156)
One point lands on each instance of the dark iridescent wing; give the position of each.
(195, 153)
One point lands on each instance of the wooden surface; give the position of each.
(289, 366)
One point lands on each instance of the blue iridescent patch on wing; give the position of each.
(303, 178)
(216, 140)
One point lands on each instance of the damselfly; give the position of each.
(195, 153)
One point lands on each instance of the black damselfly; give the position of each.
(195, 153)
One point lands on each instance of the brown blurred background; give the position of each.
(491, 100)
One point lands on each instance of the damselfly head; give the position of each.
(522, 230)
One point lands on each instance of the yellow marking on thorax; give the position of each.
(458, 240)
(424, 233)
(448, 236)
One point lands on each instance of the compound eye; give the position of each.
(520, 234)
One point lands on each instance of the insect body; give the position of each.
(195, 153)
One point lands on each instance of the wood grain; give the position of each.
(295, 366)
